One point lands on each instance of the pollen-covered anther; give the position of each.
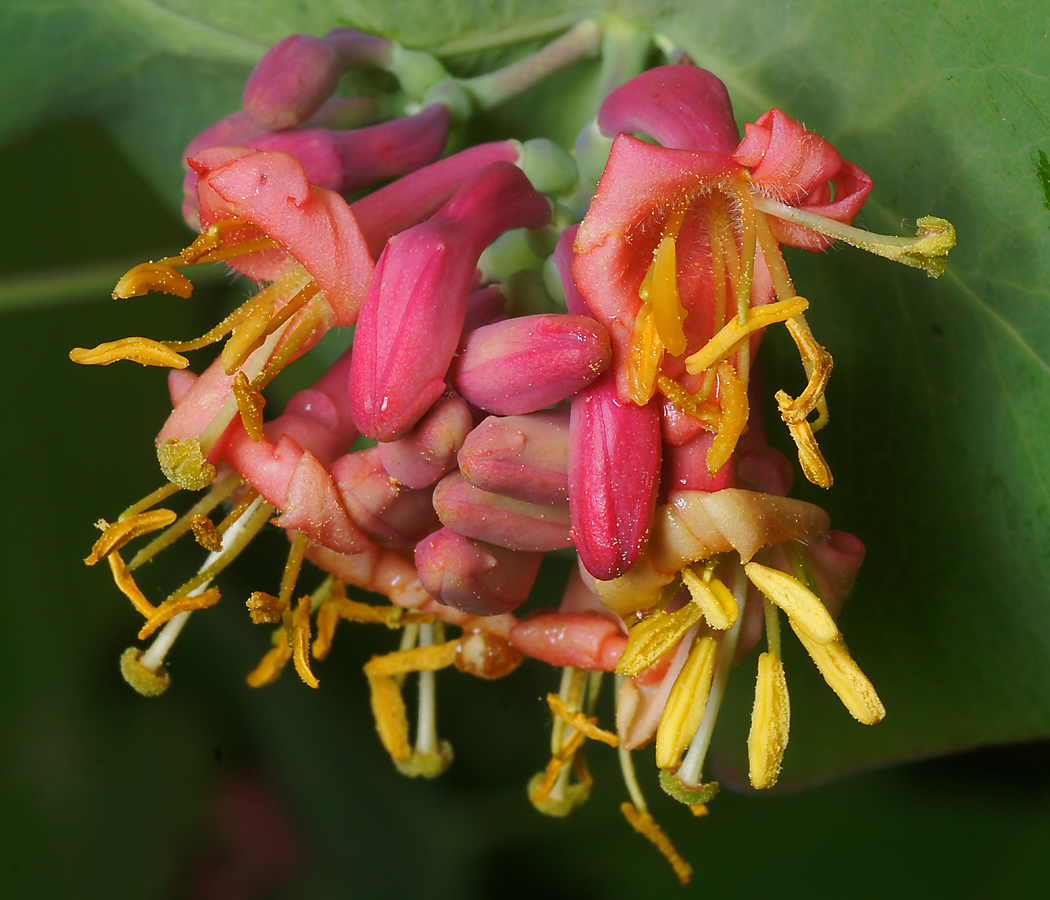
(175, 605)
(585, 725)
(647, 826)
(250, 403)
(770, 722)
(812, 461)
(653, 637)
(645, 353)
(127, 586)
(734, 332)
(732, 399)
(804, 608)
(429, 658)
(152, 276)
(146, 681)
(686, 702)
(121, 532)
(144, 351)
(300, 641)
(206, 534)
(183, 463)
(844, 677)
(713, 597)
(265, 609)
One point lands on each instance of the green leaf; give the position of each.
(940, 430)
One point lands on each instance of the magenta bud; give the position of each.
(614, 469)
(475, 577)
(682, 107)
(349, 160)
(428, 451)
(297, 75)
(524, 364)
(500, 520)
(414, 310)
(524, 457)
(383, 508)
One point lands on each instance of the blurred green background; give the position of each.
(215, 790)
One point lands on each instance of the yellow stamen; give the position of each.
(115, 536)
(206, 534)
(430, 658)
(645, 352)
(734, 333)
(770, 722)
(271, 666)
(844, 677)
(171, 608)
(646, 825)
(314, 316)
(250, 403)
(327, 619)
(265, 609)
(585, 725)
(713, 597)
(653, 637)
(152, 276)
(388, 707)
(706, 413)
(686, 702)
(802, 606)
(732, 398)
(144, 351)
(660, 288)
(301, 642)
(123, 580)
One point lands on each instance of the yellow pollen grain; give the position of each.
(270, 667)
(152, 276)
(803, 607)
(122, 532)
(171, 608)
(653, 637)
(585, 725)
(646, 825)
(265, 609)
(770, 722)
(845, 678)
(685, 704)
(301, 642)
(145, 351)
(714, 598)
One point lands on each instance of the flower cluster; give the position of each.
(553, 353)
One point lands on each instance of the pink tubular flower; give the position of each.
(413, 314)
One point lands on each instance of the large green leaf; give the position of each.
(940, 431)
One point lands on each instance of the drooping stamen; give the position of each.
(770, 722)
(660, 288)
(645, 353)
(176, 605)
(803, 607)
(733, 333)
(299, 638)
(732, 400)
(652, 637)
(685, 704)
(123, 531)
(267, 318)
(712, 596)
(144, 351)
(928, 250)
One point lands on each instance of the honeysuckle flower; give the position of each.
(413, 313)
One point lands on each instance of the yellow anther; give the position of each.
(585, 725)
(646, 825)
(300, 639)
(391, 616)
(146, 681)
(818, 365)
(144, 351)
(247, 337)
(770, 722)
(152, 276)
(115, 536)
(845, 678)
(250, 403)
(660, 289)
(732, 399)
(265, 609)
(543, 783)
(171, 608)
(388, 707)
(645, 352)
(802, 606)
(183, 463)
(653, 637)
(123, 580)
(707, 413)
(814, 466)
(429, 658)
(206, 534)
(713, 597)
(327, 619)
(733, 334)
(685, 704)
(271, 666)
